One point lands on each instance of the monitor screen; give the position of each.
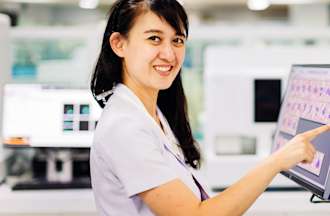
(48, 116)
(306, 106)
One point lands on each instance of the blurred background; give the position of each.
(238, 59)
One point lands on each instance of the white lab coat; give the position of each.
(131, 154)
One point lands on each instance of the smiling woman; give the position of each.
(143, 148)
(137, 80)
(143, 48)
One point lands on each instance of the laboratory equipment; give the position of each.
(305, 107)
(4, 76)
(56, 169)
(48, 116)
(57, 122)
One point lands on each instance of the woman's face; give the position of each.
(153, 53)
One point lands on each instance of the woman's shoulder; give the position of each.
(119, 112)
(123, 131)
(121, 117)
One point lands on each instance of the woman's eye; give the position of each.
(154, 38)
(179, 41)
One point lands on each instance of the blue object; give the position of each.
(24, 72)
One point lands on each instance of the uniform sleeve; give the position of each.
(136, 158)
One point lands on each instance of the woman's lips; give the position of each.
(163, 70)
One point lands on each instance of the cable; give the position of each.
(321, 200)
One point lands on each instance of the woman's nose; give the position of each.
(167, 52)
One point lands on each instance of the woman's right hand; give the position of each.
(298, 149)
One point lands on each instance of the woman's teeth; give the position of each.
(163, 68)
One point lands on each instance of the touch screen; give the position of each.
(306, 106)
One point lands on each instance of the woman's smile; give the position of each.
(163, 70)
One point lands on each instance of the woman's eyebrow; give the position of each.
(154, 31)
(161, 32)
(181, 35)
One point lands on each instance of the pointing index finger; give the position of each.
(311, 134)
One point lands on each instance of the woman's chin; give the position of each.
(164, 86)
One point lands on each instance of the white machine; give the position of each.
(53, 118)
(243, 88)
(4, 75)
(56, 119)
(49, 116)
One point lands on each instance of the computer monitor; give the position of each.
(48, 116)
(306, 105)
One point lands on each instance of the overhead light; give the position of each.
(88, 4)
(257, 5)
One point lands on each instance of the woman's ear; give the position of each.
(117, 42)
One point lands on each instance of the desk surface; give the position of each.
(46, 201)
(82, 201)
(289, 203)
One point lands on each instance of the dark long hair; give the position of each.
(108, 71)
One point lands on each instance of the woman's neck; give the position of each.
(147, 96)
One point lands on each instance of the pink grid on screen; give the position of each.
(307, 99)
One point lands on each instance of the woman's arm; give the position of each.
(176, 199)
